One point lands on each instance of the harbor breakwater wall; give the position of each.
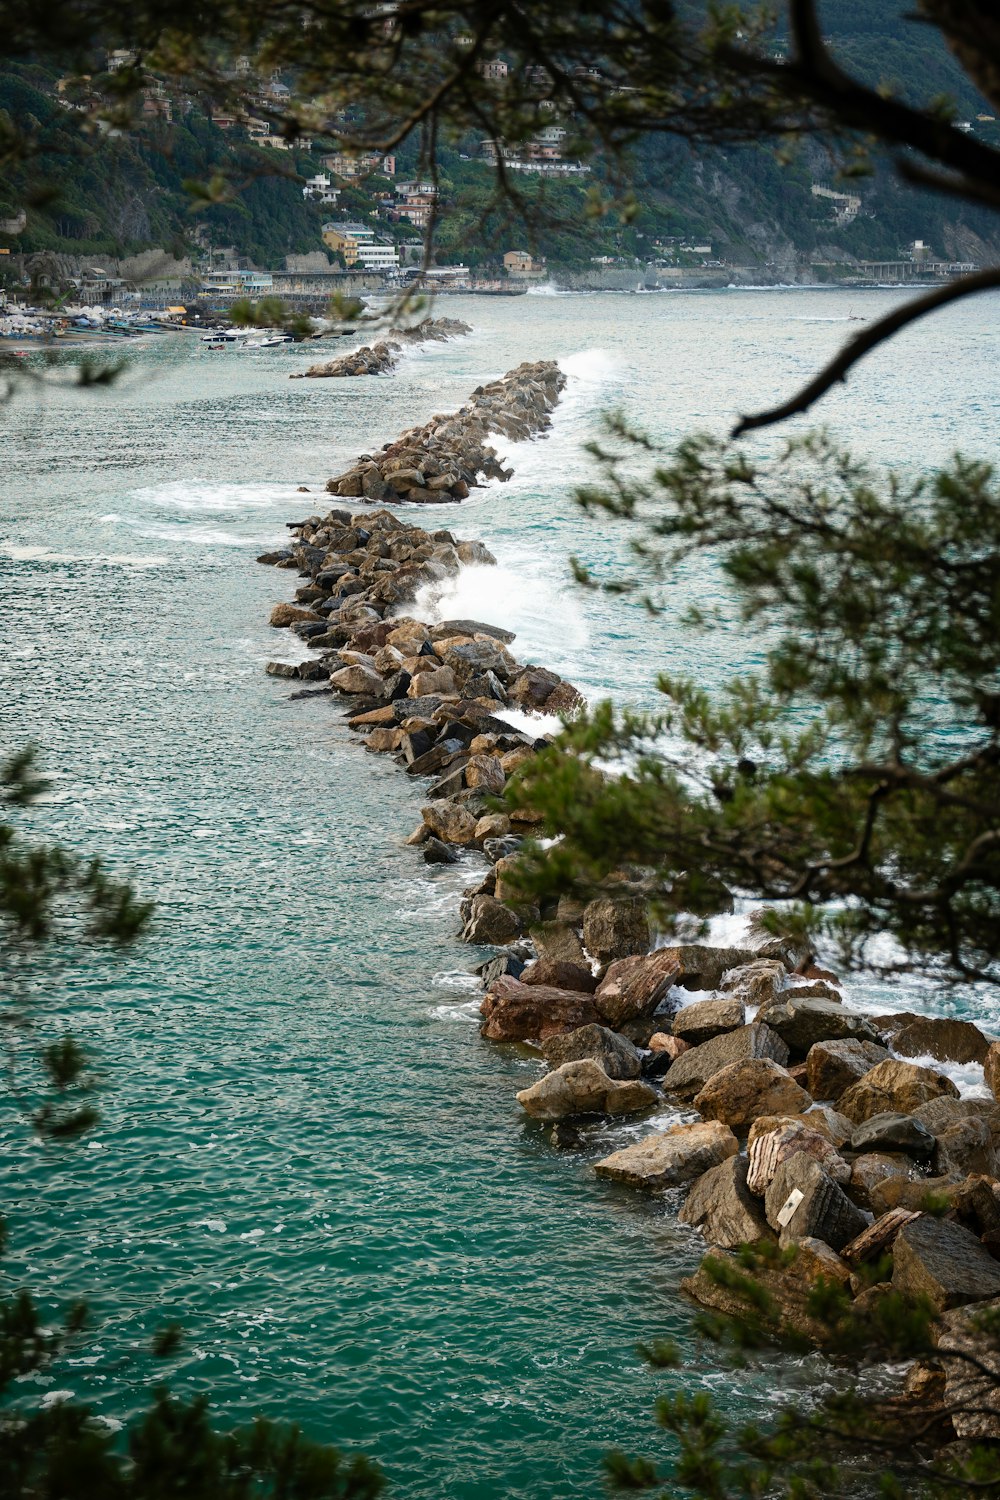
(795, 1121)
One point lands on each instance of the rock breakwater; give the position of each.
(383, 357)
(787, 1116)
(450, 455)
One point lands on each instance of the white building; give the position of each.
(321, 189)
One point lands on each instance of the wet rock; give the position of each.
(719, 1284)
(947, 1041)
(759, 982)
(708, 1018)
(893, 1132)
(803, 1200)
(721, 1205)
(450, 822)
(565, 976)
(616, 928)
(616, 1055)
(490, 923)
(283, 615)
(670, 1158)
(893, 1087)
(516, 1012)
(635, 986)
(937, 1259)
(436, 853)
(582, 1087)
(505, 963)
(802, 1023)
(742, 1091)
(558, 942)
(831, 1067)
(690, 1073)
(281, 669)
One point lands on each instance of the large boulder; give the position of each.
(450, 822)
(831, 1067)
(635, 986)
(689, 1074)
(892, 1132)
(705, 1019)
(615, 1054)
(802, 1199)
(971, 1350)
(802, 1023)
(616, 927)
(944, 1262)
(893, 1087)
(564, 975)
(516, 1012)
(871, 1169)
(760, 982)
(721, 1205)
(357, 679)
(672, 1157)
(767, 1151)
(490, 923)
(945, 1040)
(725, 1285)
(558, 941)
(743, 1091)
(283, 615)
(583, 1088)
(703, 968)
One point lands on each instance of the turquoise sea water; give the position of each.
(308, 1157)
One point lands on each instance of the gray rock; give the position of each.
(831, 1067)
(892, 1132)
(616, 1056)
(721, 1205)
(692, 1070)
(942, 1261)
(436, 853)
(802, 1023)
(490, 923)
(616, 927)
(708, 1018)
(824, 1210)
(672, 1157)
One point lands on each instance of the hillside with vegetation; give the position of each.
(180, 182)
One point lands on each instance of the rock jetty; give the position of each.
(792, 1121)
(451, 455)
(383, 357)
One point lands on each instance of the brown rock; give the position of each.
(893, 1088)
(492, 826)
(614, 1053)
(970, 1354)
(869, 1171)
(722, 1207)
(742, 1091)
(832, 1066)
(672, 1157)
(383, 740)
(879, 1237)
(945, 1040)
(991, 1069)
(289, 614)
(719, 1284)
(486, 773)
(759, 982)
(490, 923)
(564, 976)
(672, 1045)
(516, 1012)
(690, 1073)
(583, 1088)
(943, 1262)
(767, 1151)
(358, 679)
(558, 941)
(615, 928)
(708, 1018)
(634, 986)
(450, 822)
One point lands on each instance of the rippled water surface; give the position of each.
(308, 1157)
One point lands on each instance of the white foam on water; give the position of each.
(209, 497)
(546, 619)
(968, 1078)
(44, 554)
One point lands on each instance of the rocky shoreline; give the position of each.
(800, 1123)
(383, 357)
